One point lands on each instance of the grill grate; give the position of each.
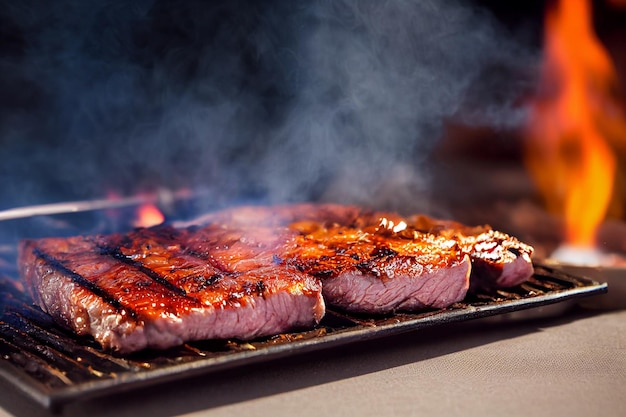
(54, 367)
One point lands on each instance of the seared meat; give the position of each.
(256, 271)
(371, 271)
(498, 260)
(144, 291)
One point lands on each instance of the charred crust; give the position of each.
(515, 251)
(325, 273)
(383, 252)
(115, 253)
(213, 279)
(197, 254)
(203, 282)
(364, 267)
(249, 289)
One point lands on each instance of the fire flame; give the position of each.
(575, 123)
(148, 215)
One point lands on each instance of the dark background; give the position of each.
(123, 96)
(402, 105)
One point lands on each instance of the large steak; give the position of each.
(144, 291)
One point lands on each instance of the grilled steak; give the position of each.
(368, 270)
(255, 271)
(144, 291)
(498, 260)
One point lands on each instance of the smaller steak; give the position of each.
(498, 259)
(369, 270)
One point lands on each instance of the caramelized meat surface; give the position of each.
(145, 290)
(368, 270)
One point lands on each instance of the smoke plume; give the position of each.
(258, 101)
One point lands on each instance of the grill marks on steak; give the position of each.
(143, 290)
(368, 271)
(256, 271)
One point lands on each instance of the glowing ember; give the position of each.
(148, 215)
(575, 123)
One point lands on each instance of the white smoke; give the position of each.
(377, 81)
(271, 101)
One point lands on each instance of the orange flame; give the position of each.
(148, 215)
(574, 123)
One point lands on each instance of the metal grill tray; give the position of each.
(54, 367)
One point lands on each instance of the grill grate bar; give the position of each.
(40, 369)
(65, 346)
